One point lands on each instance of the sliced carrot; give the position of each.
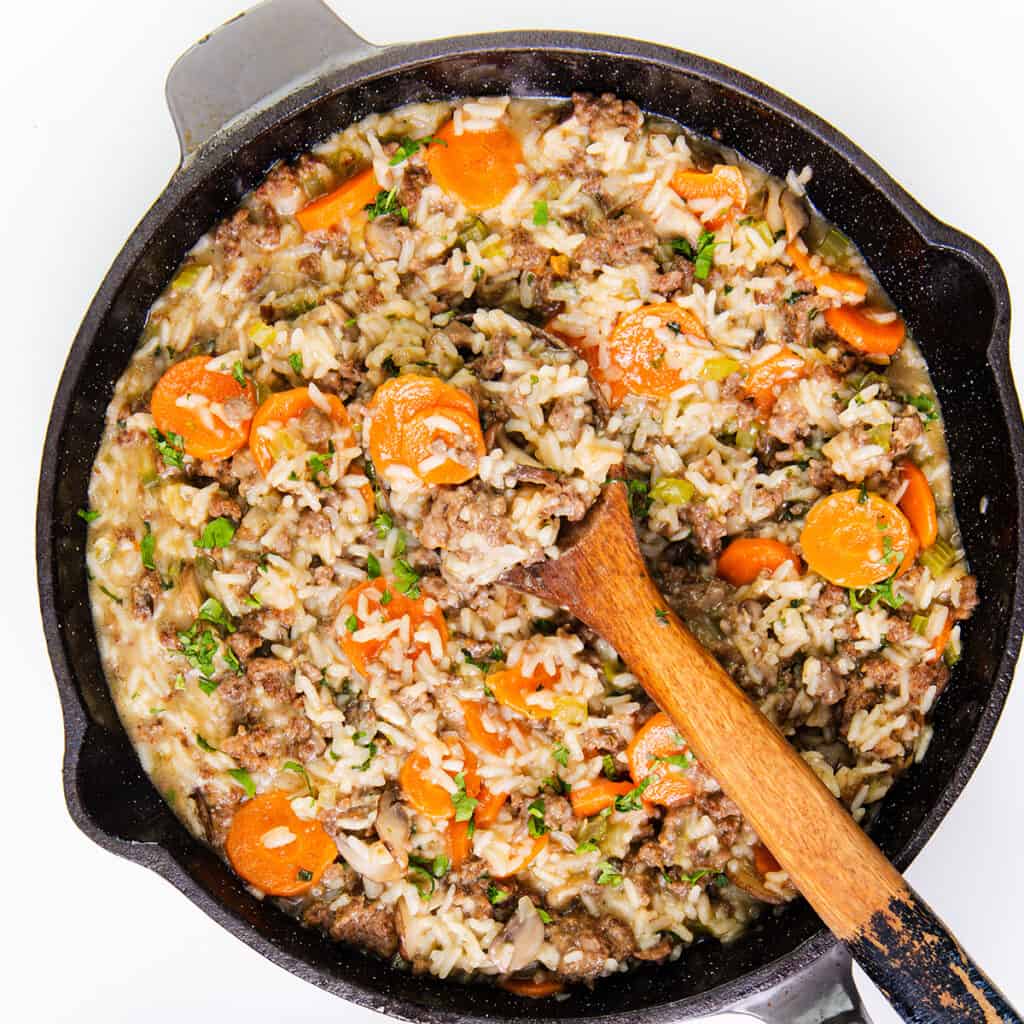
(855, 538)
(824, 276)
(361, 652)
(764, 860)
(656, 740)
(532, 988)
(861, 331)
(290, 868)
(190, 379)
(413, 416)
(345, 206)
(767, 378)
(370, 498)
(595, 796)
(941, 641)
(724, 180)
(492, 742)
(918, 504)
(278, 410)
(457, 840)
(747, 557)
(479, 168)
(530, 854)
(911, 556)
(489, 807)
(637, 353)
(511, 688)
(428, 797)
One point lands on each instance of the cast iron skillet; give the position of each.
(286, 74)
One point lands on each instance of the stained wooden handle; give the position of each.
(901, 944)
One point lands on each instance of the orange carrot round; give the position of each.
(278, 410)
(479, 168)
(428, 797)
(658, 739)
(361, 652)
(458, 842)
(489, 807)
(413, 416)
(191, 379)
(766, 378)
(530, 854)
(595, 796)
(724, 180)
(855, 538)
(918, 504)
(493, 742)
(861, 331)
(345, 206)
(747, 557)
(637, 354)
(532, 988)
(511, 688)
(274, 849)
(824, 276)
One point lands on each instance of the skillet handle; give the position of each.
(822, 992)
(261, 54)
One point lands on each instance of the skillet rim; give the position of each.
(218, 151)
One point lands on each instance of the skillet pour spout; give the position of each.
(275, 81)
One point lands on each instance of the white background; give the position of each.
(932, 89)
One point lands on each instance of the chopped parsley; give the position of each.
(299, 769)
(238, 372)
(705, 255)
(794, 297)
(632, 801)
(556, 784)
(372, 567)
(383, 524)
(89, 515)
(207, 685)
(171, 447)
(244, 779)
(496, 895)
(608, 769)
(485, 664)
(871, 597)
(608, 874)
(683, 247)
(147, 548)
(544, 916)
(463, 803)
(561, 754)
(211, 610)
(587, 846)
(545, 627)
(924, 404)
(295, 361)
(409, 146)
(199, 648)
(661, 615)
(232, 660)
(217, 533)
(639, 497)
(387, 204)
(535, 823)
(204, 745)
(304, 875)
(696, 876)
(386, 597)
(540, 213)
(677, 760)
(436, 867)
(407, 579)
(319, 462)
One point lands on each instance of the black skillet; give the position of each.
(276, 80)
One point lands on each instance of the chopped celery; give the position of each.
(719, 367)
(671, 490)
(262, 334)
(834, 247)
(919, 623)
(881, 435)
(951, 655)
(939, 557)
(474, 231)
(762, 227)
(746, 438)
(186, 278)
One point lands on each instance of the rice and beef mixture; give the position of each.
(404, 362)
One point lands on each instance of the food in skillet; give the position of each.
(396, 371)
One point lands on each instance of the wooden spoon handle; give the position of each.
(862, 898)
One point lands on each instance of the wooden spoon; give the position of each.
(600, 577)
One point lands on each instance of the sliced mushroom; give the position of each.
(372, 861)
(521, 939)
(392, 826)
(794, 213)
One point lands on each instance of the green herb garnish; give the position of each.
(244, 779)
(387, 204)
(89, 515)
(147, 547)
(608, 874)
(409, 146)
(463, 803)
(217, 533)
(171, 447)
(540, 212)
